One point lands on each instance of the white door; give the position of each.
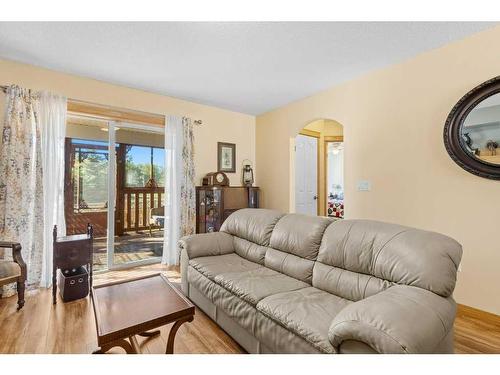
(306, 178)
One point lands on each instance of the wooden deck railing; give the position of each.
(134, 205)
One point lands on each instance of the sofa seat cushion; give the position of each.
(256, 284)
(306, 312)
(273, 336)
(212, 266)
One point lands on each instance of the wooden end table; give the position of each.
(134, 307)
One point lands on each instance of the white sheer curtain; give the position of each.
(180, 210)
(52, 120)
(173, 177)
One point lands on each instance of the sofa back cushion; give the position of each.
(294, 245)
(350, 285)
(252, 224)
(299, 235)
(251, 228)
(366, 257)
(249, 250)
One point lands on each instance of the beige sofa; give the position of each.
(302, 284)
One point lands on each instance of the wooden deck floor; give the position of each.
(131, 247)
(70, 328)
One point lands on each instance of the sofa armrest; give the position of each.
(401, 319)
(207, 244)
(202, 245)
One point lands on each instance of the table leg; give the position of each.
(91, 269)
(149, 333)
(173, 331)
(54, 284)
(129, 348)
(135, 344)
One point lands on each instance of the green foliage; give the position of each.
(93, 172)
(90, 173)
(138, 174)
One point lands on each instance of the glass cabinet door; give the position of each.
(209, 209)
(201, 226)
(217, 212)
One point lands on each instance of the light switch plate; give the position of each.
(364, 185)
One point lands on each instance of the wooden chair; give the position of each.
(156, 214)
(14, 271)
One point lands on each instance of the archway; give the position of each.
(317, 178)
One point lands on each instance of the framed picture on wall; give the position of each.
(226, 157)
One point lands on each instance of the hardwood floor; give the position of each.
(41, 327)
(476, 331)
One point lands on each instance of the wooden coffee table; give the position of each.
(133, 307)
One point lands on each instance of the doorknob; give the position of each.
(315, 197)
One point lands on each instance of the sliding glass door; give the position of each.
(140, 187)
(87, 182)
(114, 180)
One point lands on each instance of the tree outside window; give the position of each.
(144, 166)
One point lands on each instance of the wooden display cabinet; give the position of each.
(215, 203)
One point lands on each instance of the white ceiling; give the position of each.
(249, 67)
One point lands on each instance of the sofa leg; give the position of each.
(20, 294)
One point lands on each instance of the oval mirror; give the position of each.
(472, 131)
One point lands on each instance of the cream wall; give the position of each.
(393, 132)
(218, 125)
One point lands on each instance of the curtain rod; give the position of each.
(4, 89)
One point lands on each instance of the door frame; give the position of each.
(317, 135)
(322, 178)
(328, 139)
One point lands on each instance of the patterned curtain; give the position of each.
(32, 178)
(188, 204)
(21, 193)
